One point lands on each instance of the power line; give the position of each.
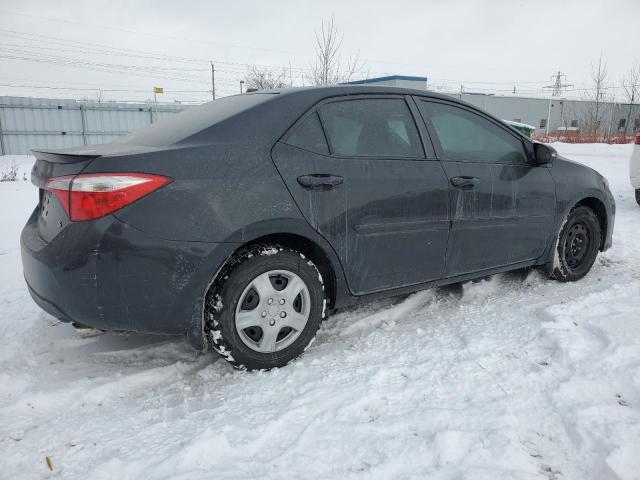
(109, 50)
(206, 42)
(38, 49)
(156, 35)
(230, 67)
(48, 87)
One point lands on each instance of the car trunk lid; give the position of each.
(52, 217)
(50, 164)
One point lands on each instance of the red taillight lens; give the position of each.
(637, 139)
(94, 195)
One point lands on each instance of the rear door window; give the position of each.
(468, 137)
(372, 127)
(308, 135)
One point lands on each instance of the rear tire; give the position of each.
(577, 246)
(264, 308)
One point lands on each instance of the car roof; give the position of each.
(336, 90)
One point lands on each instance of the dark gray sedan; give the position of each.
(241, 222)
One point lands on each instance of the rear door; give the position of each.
(357, 169)
(503, 206)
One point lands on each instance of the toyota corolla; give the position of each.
(242, 222)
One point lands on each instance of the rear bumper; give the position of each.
(111, 276)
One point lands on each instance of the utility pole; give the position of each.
(613, 105)
(213, 82)
(557, 85)
(290, 75)
(156, 91)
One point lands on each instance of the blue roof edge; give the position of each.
(382, 79)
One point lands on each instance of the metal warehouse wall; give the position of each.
(27, 123)
(533, 111)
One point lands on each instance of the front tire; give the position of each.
(264, 308)
(577, 246)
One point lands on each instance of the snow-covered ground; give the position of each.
(516, 377)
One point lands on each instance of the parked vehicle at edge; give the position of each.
(634, 167)
(241, 222)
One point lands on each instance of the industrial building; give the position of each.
(546, 114)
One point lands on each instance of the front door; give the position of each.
(502, 205)
(357, 169)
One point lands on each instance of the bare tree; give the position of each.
(262, 78)
(596, 96)
(327, 70)
(631, 90)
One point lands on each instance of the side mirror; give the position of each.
(544, 153)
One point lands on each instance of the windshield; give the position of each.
(177, 127)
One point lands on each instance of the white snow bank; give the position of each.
(515, 377)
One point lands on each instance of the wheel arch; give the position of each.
(297, 235)
(309, 249)
(591, 201)
(600, 210)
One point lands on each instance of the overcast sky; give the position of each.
(483, 45)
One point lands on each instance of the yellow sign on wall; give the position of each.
(158, 90)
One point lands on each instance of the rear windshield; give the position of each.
(177, 127)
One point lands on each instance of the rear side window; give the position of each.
(465, 136)
(309, 136)
(375, 127)
(194, 120)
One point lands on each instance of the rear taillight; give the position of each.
(94, 195)
(637, 139)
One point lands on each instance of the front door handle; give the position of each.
(465, 182)
(320, 181)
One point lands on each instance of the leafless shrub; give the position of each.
(263, 78)
(631, 90)
(9, 173)
(596, 97)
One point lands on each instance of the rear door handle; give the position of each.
(465, 182)
(320, 181)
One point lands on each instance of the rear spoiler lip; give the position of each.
(54, 156)
(50, 164)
